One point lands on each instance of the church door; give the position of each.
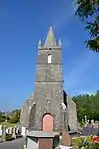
(47, 122)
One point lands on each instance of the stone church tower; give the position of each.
(49, 108)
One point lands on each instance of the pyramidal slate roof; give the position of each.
(50, 40)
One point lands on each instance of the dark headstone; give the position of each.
(66, 139)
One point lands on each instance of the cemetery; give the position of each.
(61, 110)
(48, 119)
(88, 136)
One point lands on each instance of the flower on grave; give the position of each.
(95, 139)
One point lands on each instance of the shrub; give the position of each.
(92, 146)
(78, 142)
(9, 138)
(87, 143)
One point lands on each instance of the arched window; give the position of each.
(49, 59)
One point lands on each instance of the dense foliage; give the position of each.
(87, 105)
(12, 117)
(15, 116)
(3, 117)
(88, 12)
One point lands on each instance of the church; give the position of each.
(49, 108)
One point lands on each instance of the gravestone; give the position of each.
(66, 139)
(17, 130)
(10, 130)
(7, 131)
(45, 143)
(90, 131)
(0, 130)
(14, 132)
(96, 124)
(92, 123)
(23, 131)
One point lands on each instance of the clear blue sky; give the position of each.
(22, 23)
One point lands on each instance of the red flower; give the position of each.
(95, 139)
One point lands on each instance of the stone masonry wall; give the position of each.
(52, 92)
(72, 114)
(25, 112)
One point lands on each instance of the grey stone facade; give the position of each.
(72, 114)
(25, 111)
(48, 94)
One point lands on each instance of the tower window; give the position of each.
(49, 59)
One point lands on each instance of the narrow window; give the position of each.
(49, 59)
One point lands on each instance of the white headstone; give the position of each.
(0, 130)
(92, 122)
(10, 130)
(17, 130)
(7, 131)
(23, 131)
(88, 121)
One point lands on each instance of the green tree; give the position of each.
(3, 117)
(88, 12)
(87, 105)
(15, 116)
